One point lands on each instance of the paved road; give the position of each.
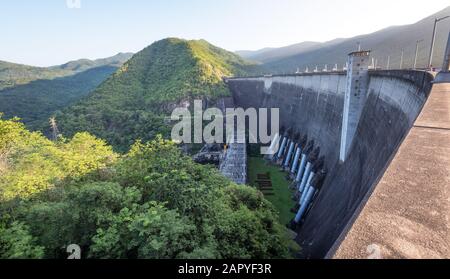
(408, 215)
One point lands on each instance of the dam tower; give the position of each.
(355, 98)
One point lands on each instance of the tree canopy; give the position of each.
(152, 202)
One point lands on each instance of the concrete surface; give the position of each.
(408, 215)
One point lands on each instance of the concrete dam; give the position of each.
(355, 142)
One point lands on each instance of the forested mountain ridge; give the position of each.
(86, 64)
(134, 102)
(36, 101)
(34, 94)
(12, 74)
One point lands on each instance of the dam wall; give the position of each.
(312, 104)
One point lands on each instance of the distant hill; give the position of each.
(12, 74)
(384, 43)
(36, 101)
(272, 54)
(251, 54)
(134, 102)
(85, 64)
(34, 94)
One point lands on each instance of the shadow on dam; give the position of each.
(312, 105)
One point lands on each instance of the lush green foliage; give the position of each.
(134, 102)
(152, 202)
(32, 164)
(17, 243)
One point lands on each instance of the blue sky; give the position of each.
(47, 32)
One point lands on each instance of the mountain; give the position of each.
(135, 101)
(12, 74)
(249, 54)
(34, 93)
(272, 54)
(384, 43)
(35, 102)
(85, 64)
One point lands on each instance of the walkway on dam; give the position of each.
(234, 162)
(408, 215)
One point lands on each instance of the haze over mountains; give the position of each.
(266, 55)
(387, 42)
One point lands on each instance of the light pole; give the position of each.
(446, 66)
(401, 59)
(433, 38)
(417, 53)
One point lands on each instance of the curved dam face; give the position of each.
(313, 105)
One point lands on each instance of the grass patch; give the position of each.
(282, 194)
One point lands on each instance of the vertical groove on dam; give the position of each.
(312, 105)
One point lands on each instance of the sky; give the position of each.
(52, 32)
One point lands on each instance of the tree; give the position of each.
(152, 202)
(17, 243)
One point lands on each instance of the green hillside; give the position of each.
(12, 74)
(36, 101)
(34, 94)
(15, 74)
(134, 102)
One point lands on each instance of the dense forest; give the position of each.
(152, 202)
